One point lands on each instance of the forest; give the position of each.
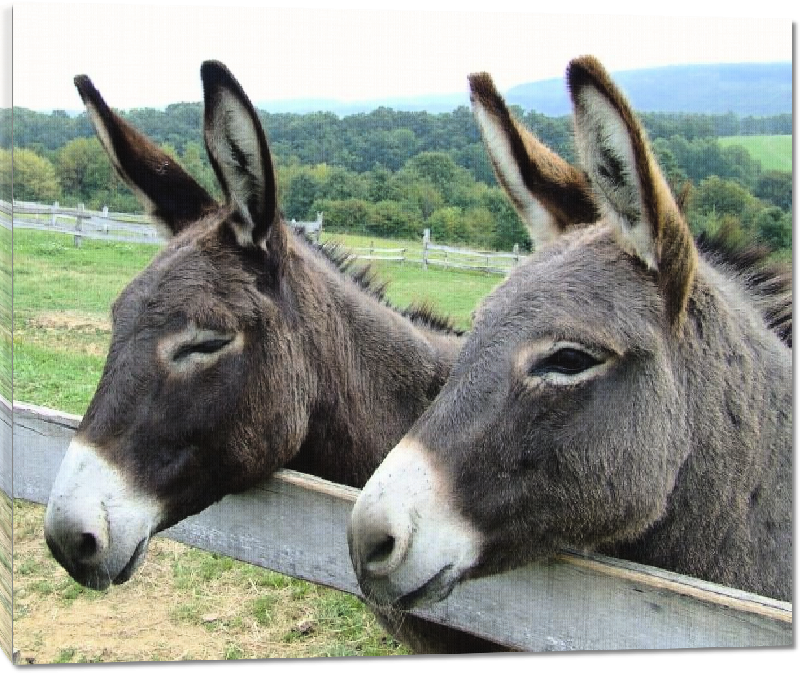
(392, 173)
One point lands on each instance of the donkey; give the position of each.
(623, 391)
(240, 349)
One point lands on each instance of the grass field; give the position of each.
(774, 152)
(184, 603)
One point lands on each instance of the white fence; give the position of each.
(448, 257)
(124, 227)
(295, 524)
(104, 225)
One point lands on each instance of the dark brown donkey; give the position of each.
(239, 350)
(623, 391)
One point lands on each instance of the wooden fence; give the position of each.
(124, 227)
(104, 225)
(295, 524)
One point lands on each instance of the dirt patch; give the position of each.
(182, 604)
(70, 320)
(69, 331)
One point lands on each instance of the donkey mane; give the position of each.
(366, 279)
(769, 283)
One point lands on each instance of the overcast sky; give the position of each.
(149, 55)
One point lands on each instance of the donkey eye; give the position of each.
(201, 348)
(566, 361)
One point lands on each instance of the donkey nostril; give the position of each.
(381, 552)
(87, 547)
(385, 553)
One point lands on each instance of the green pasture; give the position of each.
(774, 152)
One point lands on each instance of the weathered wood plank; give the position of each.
(470, 253)
(295, 524)
(138, 237)
(381, 258)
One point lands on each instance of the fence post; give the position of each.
(78, 225)
(319, 228)
(426, 237)
(105, 217)
(516, 253)
(54, 209)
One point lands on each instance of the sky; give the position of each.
(141, 55)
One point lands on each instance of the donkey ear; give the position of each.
(168, 193)
(548, 193)
(237, 148)
(630, 189)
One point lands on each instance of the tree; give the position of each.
(676, 176)
(446, 224)
(34, 177)
(195, 162)
(303, 189)
(340, 184)
(417, 194)
(775, 187)
(479, 227)
(508, 228)
(5, 128)
(345, 215)
(84, 170)
(721, 196)
(728, 227)
(473, 157)
(6, 168)
(382, 185)
(439, 169)
(774, 228)
(390, 220)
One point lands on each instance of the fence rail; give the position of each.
(129, 228)
(295, 524)
(103, 225)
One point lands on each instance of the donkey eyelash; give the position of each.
(195, 346)
(206, 347)
(568, 361)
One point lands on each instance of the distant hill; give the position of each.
(433, 104)
(743, 88)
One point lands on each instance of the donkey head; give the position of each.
(562, 422)
(174, 423)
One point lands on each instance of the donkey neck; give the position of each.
(736, 480)
(376, 371)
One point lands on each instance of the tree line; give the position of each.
(393, 173)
